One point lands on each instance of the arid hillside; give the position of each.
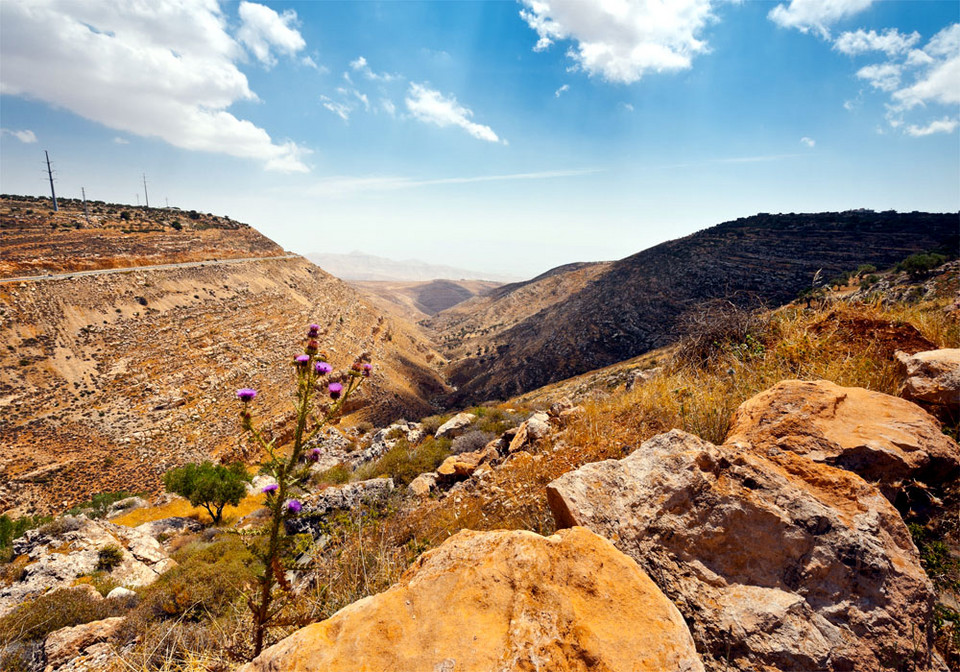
(108, 380)
(416, 301)
(37, 240)
(473, 327)
(640, 303)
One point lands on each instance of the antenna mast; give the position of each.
(145, 196)
(53, 194)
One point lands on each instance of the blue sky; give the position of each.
(499, 136)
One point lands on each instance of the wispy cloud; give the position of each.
(765, 158)
(360, 65)
(562, 89)
(945, 125)
(25, 136)
(432, 107)
(342, 186)
(808, 142)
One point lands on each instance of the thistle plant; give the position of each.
(320, 398)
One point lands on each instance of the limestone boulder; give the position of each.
(423, 485)
(882, 438)
(70, 547)
(63, 646)
(455, 425)
(502, 601)
(776, 565)
(458, 467)
(931, 377)
(318, 505)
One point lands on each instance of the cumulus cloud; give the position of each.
(890, 41)
(815, 15)
(360, 65)
(26, 136)
(621, 41)
(939, 81)
(262, 30)
(883, 76)
(808, 142)
(432, 107)
(945, 125)
(562, 89)
(160, 69)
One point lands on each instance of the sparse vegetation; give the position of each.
(99, 504)
(404, 462)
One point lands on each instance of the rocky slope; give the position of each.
(107, 381)
(417, 301)
(639, 303)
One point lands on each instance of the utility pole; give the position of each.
(145, 196)
(86, 213)
(53, 194)
(167, 201)
(138, 198)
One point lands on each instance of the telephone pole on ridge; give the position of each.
(145, 196)
(53, 194)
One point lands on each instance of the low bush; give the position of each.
(432, 423)
(13, 528)
(108, 557)
(99, 504)
(37, 618)
(471, 441)
(404, 463)
(336, 475)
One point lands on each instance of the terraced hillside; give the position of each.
(638, 303)
(107, 381)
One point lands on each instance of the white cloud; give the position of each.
(883, 76)
(562, 89)
(262, 29)
(808, 142)
(816, 15)
(627, 106)
(387, 106)
(621, 41)
(945, 125)
(27, 137)
(121, 141)
(360, 65)
(939, 82)
(432, 107)
(341, 186)
(890, 41)
(159, 69)
(342, 110)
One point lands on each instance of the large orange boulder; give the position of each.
(783, 564)
(882, 438)
(502, 601)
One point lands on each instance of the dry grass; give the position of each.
(181, 508)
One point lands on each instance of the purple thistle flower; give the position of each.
(314, 331)
(301, 360)
(367, 368)
(293, 506)
(246, 394)
(335, 390)
(267, 489)
(322, 368)
(314, 455)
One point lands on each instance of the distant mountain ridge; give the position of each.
(636, 304)
(368, 267)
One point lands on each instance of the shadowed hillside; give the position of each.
(638, 303)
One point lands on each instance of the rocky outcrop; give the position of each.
(166, 527)
(90, 640)
(932, 377)
(455, 425)
(317, 505)
(71, 547)
(458, 467)
(884, 439)
(510, 601)
(776, 565)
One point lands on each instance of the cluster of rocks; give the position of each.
(780, 549)
(71, 547)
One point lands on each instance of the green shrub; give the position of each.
(432, 423)
(208, 485)
(208, 580)
(13, 528)
(918, 265)
(109, 557)
(99, 503)
(335, 475)
(59, 609)
(403, 463)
